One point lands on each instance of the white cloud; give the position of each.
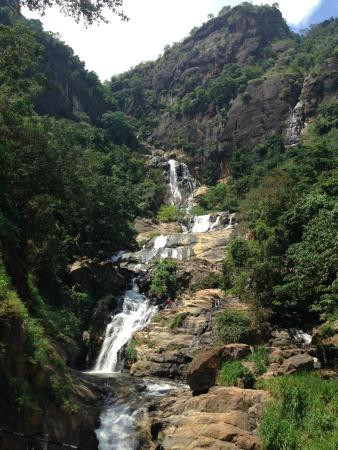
(113, 48)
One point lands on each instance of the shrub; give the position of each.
(61, 393)
(164, 280)
(169, 213)
(231, 326)
(213, 280)
(233, 372)
(260, 358)
(131, 352)
(178, 320)
(303, 415)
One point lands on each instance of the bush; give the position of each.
(234, 373)
(61, 393)
(131, 352)
(178, 320)
(211, 281)
(164, 282)
(260, 358)
(303, 415)
(231, 326)
(169, 213)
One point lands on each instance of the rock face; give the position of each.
(225, 418)
(169, 343)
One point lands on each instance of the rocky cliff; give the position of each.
(233, 82)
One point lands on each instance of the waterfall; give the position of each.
(135, 315)
(201, 224)
(231, 219)
(176, 196)
(182, 185)
(295, 126)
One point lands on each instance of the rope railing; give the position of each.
(45, 441)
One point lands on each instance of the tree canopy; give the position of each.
(89, 11)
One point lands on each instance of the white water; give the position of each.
(160, 242)
(231, 219)
(302, 337)
(181, 190)
(201, 224)
(176, 196)
(117, 428)
(135, 315)
(119, 421)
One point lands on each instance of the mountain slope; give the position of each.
(232, 82)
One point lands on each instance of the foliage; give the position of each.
(90, 11)
(169, 213)
(260, 358)
(303, 415)
(131, 352)
(231, 326)
(61, 393)
(289, 204)
(178, 320)
(233, 373)
(211, 281)
(164, 283)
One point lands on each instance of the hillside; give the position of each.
(231, 83)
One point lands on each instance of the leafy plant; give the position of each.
(131, 352)
(164, 282)
(260, 358)
(169, 213)
(231, 326)
(234, 373)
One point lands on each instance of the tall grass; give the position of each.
(303, 415)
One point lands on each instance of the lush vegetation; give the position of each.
(233, 373)
(164, 282)
(178, 320)
(169, 213)
(231, 326)
(89, 11)
(303, 415)
(289, 204)
(70, 189)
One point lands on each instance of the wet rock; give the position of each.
(98, 276)
(296, 363)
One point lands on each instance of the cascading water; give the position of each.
(182, 185)
(135, 315)
(176, 196)
(120, 418)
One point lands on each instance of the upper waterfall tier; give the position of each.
(182, 185)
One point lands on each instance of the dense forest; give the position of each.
(74, 178)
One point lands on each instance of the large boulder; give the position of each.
(296, 363)
(224, 418)
(202, 371)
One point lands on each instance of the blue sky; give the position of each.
(112, 48)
